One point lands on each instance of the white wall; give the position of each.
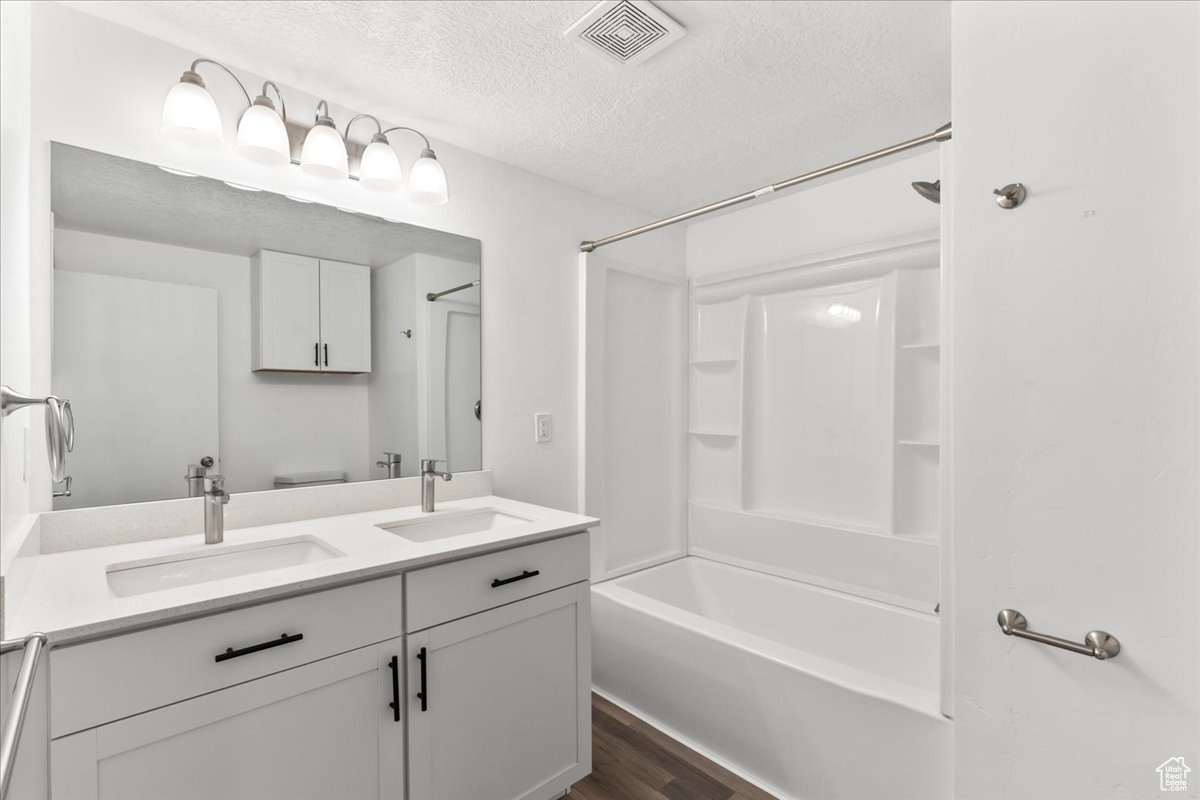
(1076, 394)
(139, 357)
(634, 373)
(530, 228)
(266, 419)
(392, 389)
(16, 368)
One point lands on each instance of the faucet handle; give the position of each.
(214, 485)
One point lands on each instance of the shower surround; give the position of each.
(799, 638)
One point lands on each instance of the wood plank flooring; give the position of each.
(633, 761)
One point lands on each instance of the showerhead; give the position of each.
(930, 191)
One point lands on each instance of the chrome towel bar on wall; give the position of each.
(1100, 645)
(14, 716)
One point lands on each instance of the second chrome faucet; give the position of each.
(428, 474)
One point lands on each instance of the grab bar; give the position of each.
(14, 720)
(1100, 645)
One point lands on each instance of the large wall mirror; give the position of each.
(202, 327)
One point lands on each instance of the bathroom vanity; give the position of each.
(410, 654)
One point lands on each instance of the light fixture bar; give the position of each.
(942, 134)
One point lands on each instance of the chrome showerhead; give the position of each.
(930, 191)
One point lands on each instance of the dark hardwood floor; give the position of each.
(633, 761)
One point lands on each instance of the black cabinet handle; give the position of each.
(424, 693)
(394, 666)
(254, 648)
(326, 354)
(316, 354)
(523, 576)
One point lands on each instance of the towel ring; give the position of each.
(60, 426)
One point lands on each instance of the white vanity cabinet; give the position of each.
(316, 731)
(299, 698)
(489, 657)
(499, 702)
(309, 314)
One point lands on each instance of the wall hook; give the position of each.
(407, 334)
(1010, 196)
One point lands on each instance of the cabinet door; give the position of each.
(501, 710)
(286, 303)
(318, 731)
(345, 317)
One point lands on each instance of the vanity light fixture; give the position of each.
(190, 115)
(262, 135)
(324, 151)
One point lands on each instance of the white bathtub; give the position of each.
(810, 693)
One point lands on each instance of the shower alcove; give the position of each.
(814, 445)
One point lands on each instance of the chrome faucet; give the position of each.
(215, 498)
(428, 473)
(392, 464)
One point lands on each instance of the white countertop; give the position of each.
(68, 596)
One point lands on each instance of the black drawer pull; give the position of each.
(394, 666)
(326, 355)
(316, 354)
(254, 648)
(523, 576)
(424, 693)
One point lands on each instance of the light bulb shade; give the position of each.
(379, 169)
(262, 136)
(324, 153)
(427, 181)
(190, 116)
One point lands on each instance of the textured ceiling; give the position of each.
(96, 192)
(756, 91)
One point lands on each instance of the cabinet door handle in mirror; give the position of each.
(326, 354)
(254, 648)
(394, 666)
(524, 575)
(423, 695)
(316, 354)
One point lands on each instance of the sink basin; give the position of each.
(453, 523)
(202, 566)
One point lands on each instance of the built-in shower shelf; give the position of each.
(715, 362)
(920, 443)
(921, 346)
(716, 434)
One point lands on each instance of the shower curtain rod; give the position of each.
(940, 135)
(435, 295)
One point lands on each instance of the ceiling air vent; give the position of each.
(625, 31)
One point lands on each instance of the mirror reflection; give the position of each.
(203, 328)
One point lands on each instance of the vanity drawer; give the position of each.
(461, 588)
(107, 679)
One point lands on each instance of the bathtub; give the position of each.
(810, 693)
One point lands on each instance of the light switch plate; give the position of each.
(542, 431)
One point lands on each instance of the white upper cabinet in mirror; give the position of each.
(291, 343)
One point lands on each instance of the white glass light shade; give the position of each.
(262, 137)
(191, 116)
(379, 169)
(427, 181)
(324, 153)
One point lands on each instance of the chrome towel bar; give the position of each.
(14, 718)
(1101, 645)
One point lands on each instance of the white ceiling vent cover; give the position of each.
(625, 31)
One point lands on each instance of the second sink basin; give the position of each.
(453, 523)
(202, 566)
